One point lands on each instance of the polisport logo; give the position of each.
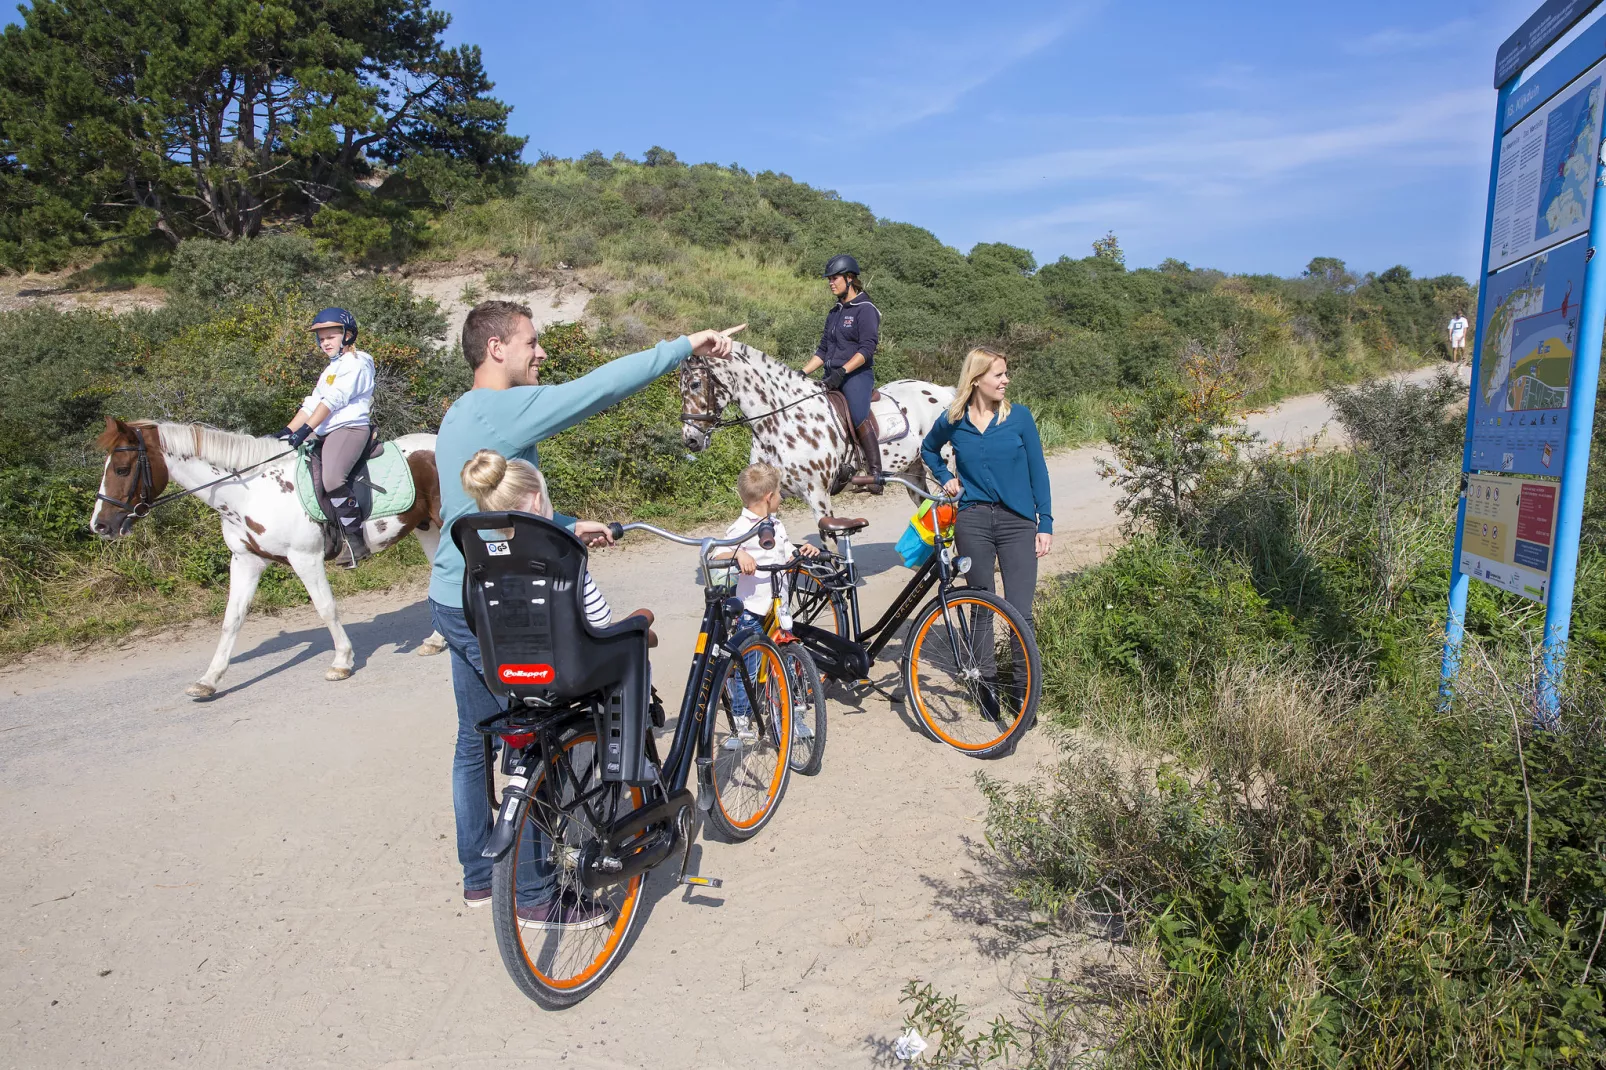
(525, 674)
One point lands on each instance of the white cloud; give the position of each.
(929, 77)
(1395, 39)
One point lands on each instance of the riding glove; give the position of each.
(293, 438)
(833, 379)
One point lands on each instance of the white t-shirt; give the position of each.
(347, 387)
(754, 590)
(1458, 330)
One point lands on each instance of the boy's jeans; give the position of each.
(474, 704)
(733, 682)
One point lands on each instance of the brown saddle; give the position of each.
(832, 526)
(839, 405)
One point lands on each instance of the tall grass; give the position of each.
(1312, 862)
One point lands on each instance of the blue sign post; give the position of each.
(1541, 312)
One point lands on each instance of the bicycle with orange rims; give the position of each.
(971, 671)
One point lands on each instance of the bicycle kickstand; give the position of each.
(685, 858)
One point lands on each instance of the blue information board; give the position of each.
(1541, 313)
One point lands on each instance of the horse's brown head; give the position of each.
(134, 477)
(702, 398)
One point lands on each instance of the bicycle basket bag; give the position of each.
(523, 597)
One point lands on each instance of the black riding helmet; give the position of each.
(337, 317)
(841, 264)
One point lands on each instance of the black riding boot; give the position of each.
(349, 516)
(870, 482)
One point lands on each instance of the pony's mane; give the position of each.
(743, 351)
(226, 449)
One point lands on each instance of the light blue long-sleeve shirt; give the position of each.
(511, 422)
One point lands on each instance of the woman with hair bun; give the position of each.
(1005, 513)
(499, 485)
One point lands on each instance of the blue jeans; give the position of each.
(475, 703)
(740, 707)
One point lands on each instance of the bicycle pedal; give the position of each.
(703, 882)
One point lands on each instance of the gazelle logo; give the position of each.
(525, 674)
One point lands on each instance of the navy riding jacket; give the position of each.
(850, 327)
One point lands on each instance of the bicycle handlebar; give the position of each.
(940, 499)
(764, 529)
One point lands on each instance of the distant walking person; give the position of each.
(1005, 513)
(1458, 336)
(847, 353)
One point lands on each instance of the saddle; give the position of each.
(892, 423)
(382, 483)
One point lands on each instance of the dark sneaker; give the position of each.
(566, 911)
(476, 897)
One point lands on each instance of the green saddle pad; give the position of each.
(388, 474)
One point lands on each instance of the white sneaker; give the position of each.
(745, 734)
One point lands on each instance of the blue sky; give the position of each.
(1242, 136)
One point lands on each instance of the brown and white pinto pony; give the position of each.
(805, 440)
(262, 516)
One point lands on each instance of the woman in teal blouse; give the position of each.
(1005, 512)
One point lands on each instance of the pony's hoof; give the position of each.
(200, 690)
(427, 649)
(337, 674)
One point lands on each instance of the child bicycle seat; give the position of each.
(523, 599)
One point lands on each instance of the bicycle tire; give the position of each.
(561, 972)
(967, 694)
(750, 776)
(808, 708)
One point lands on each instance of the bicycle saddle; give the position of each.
(841, 525)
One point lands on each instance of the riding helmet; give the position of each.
(337, 317)
(841, 264)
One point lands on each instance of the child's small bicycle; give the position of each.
(808, 690)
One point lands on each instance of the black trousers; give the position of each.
(989, 534)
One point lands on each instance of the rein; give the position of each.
(147, 485)
(715, 422)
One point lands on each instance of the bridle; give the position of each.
(147, 500)
(715, 421)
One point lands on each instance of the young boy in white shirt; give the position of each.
(759, 486)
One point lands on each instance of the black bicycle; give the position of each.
(970, 666)
(589, 806)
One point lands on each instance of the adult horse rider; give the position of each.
(847, 353)
(337, 411)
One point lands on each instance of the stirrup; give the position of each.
(843, 477)
(354, 551)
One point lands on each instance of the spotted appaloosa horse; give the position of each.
(262, 515)
(805, 441)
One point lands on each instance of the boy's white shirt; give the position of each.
(754, 590)
(347, 387)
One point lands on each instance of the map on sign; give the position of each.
(1545, 185)
(1525, 363)
(1571, 134)
(1510, 533)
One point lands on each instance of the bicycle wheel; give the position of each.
(972, 672)
(554, 963)
(751, 763)
(808, 708)
(811, 602)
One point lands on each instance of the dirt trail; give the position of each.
(268, 878)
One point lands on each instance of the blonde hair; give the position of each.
(978, 362)
(757, 481)
(500, 485)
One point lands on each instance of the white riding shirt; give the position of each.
(347, 387)
(754, 590)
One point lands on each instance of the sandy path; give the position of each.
(268, 879)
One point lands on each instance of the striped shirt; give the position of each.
(597, 611)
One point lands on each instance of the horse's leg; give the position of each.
(310, 568)
(430, 540)
(245, 570)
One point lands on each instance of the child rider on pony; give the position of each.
(337, 413)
